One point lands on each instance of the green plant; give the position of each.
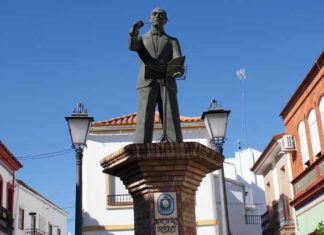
(320, 228)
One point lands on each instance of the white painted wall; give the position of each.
(207, 199)
(46, 212)
(7, 177)
(254, 185)
(236, 211)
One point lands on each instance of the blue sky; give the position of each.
(56, 53)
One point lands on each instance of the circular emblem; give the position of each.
(165, 204)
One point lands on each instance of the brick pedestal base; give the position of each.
(163, 179)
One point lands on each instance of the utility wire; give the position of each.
(45, 155)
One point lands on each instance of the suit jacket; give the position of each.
(168, 49)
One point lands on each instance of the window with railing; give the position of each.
(117, 194)
(266, 222)
(6, 220)
(277, 216)
(252, 216)
(34, 231)
(119, 200)
(282, 212)
(252, 219)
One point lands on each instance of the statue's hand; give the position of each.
(137, 25)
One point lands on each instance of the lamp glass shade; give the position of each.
(79, 128)
(216, 123)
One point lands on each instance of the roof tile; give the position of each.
(130, 119)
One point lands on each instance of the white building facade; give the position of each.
(35, 214)
(8, 167)
(108, 207)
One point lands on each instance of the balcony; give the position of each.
(252, 219)
(35, 231)
(252, 216)
(309, 183)
(266, 223)
(278, 217)
(6, 221)
(120, 200)
(282, 212)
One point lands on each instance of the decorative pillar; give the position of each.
(163, 179)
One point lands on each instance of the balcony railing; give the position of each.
(266, 222)
(252, 219)
(6, 220)
(277, 217)
(310, 177)
(35, 231)
(120, 200)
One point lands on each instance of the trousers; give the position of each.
(148, 98)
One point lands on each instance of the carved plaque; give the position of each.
(166, 216)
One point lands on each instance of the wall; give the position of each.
(7, 177)
(98, 217)
(299, 112)
(309, 217)
(269, 187)
(236, 210)
(282, 168)
(45, 212)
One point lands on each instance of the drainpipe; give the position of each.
(16, 209)
(244, 200)
(213, 191)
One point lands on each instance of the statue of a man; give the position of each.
(155, 49)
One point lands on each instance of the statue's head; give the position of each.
(158, 17)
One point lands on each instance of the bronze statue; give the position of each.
(156, 51)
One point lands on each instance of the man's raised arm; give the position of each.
(134, 40)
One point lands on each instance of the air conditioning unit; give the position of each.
(287, 143)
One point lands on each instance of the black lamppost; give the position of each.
(79, 124)
(216, 122)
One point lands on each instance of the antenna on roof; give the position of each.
(239, 144)
(241, 76)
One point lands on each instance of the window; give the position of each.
(21, 218)
(303, 143)
(321, 109)
(32, 220)
(117, 194)
(50, 229)
(314, 132)
(1, 190)
(10, 195)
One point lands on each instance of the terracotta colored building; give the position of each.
(303, 117)
(8, 167)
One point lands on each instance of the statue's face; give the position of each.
(158, 17)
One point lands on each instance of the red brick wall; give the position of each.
(298, 112)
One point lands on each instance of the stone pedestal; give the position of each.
(163, 179)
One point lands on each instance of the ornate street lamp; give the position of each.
(79, 124)
(216, 122)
